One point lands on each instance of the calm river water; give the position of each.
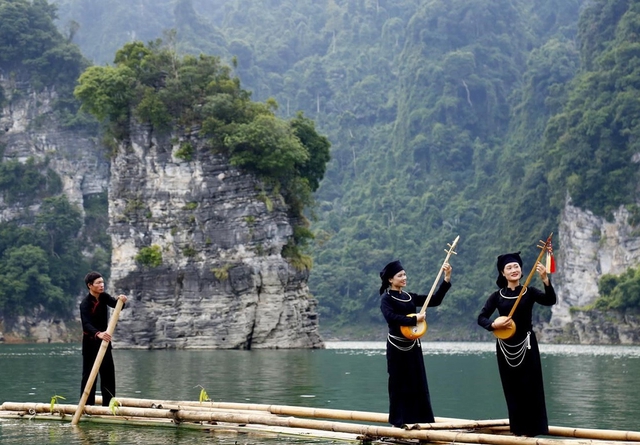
(586, 386)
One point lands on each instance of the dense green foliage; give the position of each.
(461, 156)
(619, 292)
(160, 88)
(446, 117)
(41, 263)
(594, 139)
(43, 254)
(25, 182)
(34, 53)
(32, 47)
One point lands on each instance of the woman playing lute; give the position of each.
(518, 356)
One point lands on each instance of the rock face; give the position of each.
(222, 282)
(590, 246)
(598, 328)
(26, 131)
(76, 156)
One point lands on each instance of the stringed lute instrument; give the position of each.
(417, 331)
(506, 333)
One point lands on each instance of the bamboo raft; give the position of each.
(317, 423)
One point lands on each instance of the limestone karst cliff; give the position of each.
(28, 131)
(591, 246)
(222, 282)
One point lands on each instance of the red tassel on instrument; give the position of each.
(551, 262)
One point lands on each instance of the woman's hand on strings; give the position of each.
(502, 323)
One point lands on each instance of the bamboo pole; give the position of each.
(366, 416)
(303, 412)
(580, 433)
(96, 365)
(178, 405)
(363, 416)
(323, 413)
(463, 424)
(592, 433)
(292, 422)
(100, 416)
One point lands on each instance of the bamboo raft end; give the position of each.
(218, 428)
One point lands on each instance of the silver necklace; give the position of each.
(511, 298)
(399, 299)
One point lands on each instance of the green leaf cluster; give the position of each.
(114, 404)
(619, 292)
(54, 400)
(203, 396)
(150, 256)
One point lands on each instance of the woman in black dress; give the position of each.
(409, 400)
(519, 357)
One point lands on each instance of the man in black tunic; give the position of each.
(519, 357)
(95, 320)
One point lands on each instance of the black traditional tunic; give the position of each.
(409, 400)
(519, 358)
(95, 319)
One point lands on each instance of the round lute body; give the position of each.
(414, 332)
(417, 331)
(505, 333)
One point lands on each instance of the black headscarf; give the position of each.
(388, 272)
(503, 260)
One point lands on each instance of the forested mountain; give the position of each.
(42, 257)
(446, 117)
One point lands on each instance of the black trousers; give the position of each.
(107, 375)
